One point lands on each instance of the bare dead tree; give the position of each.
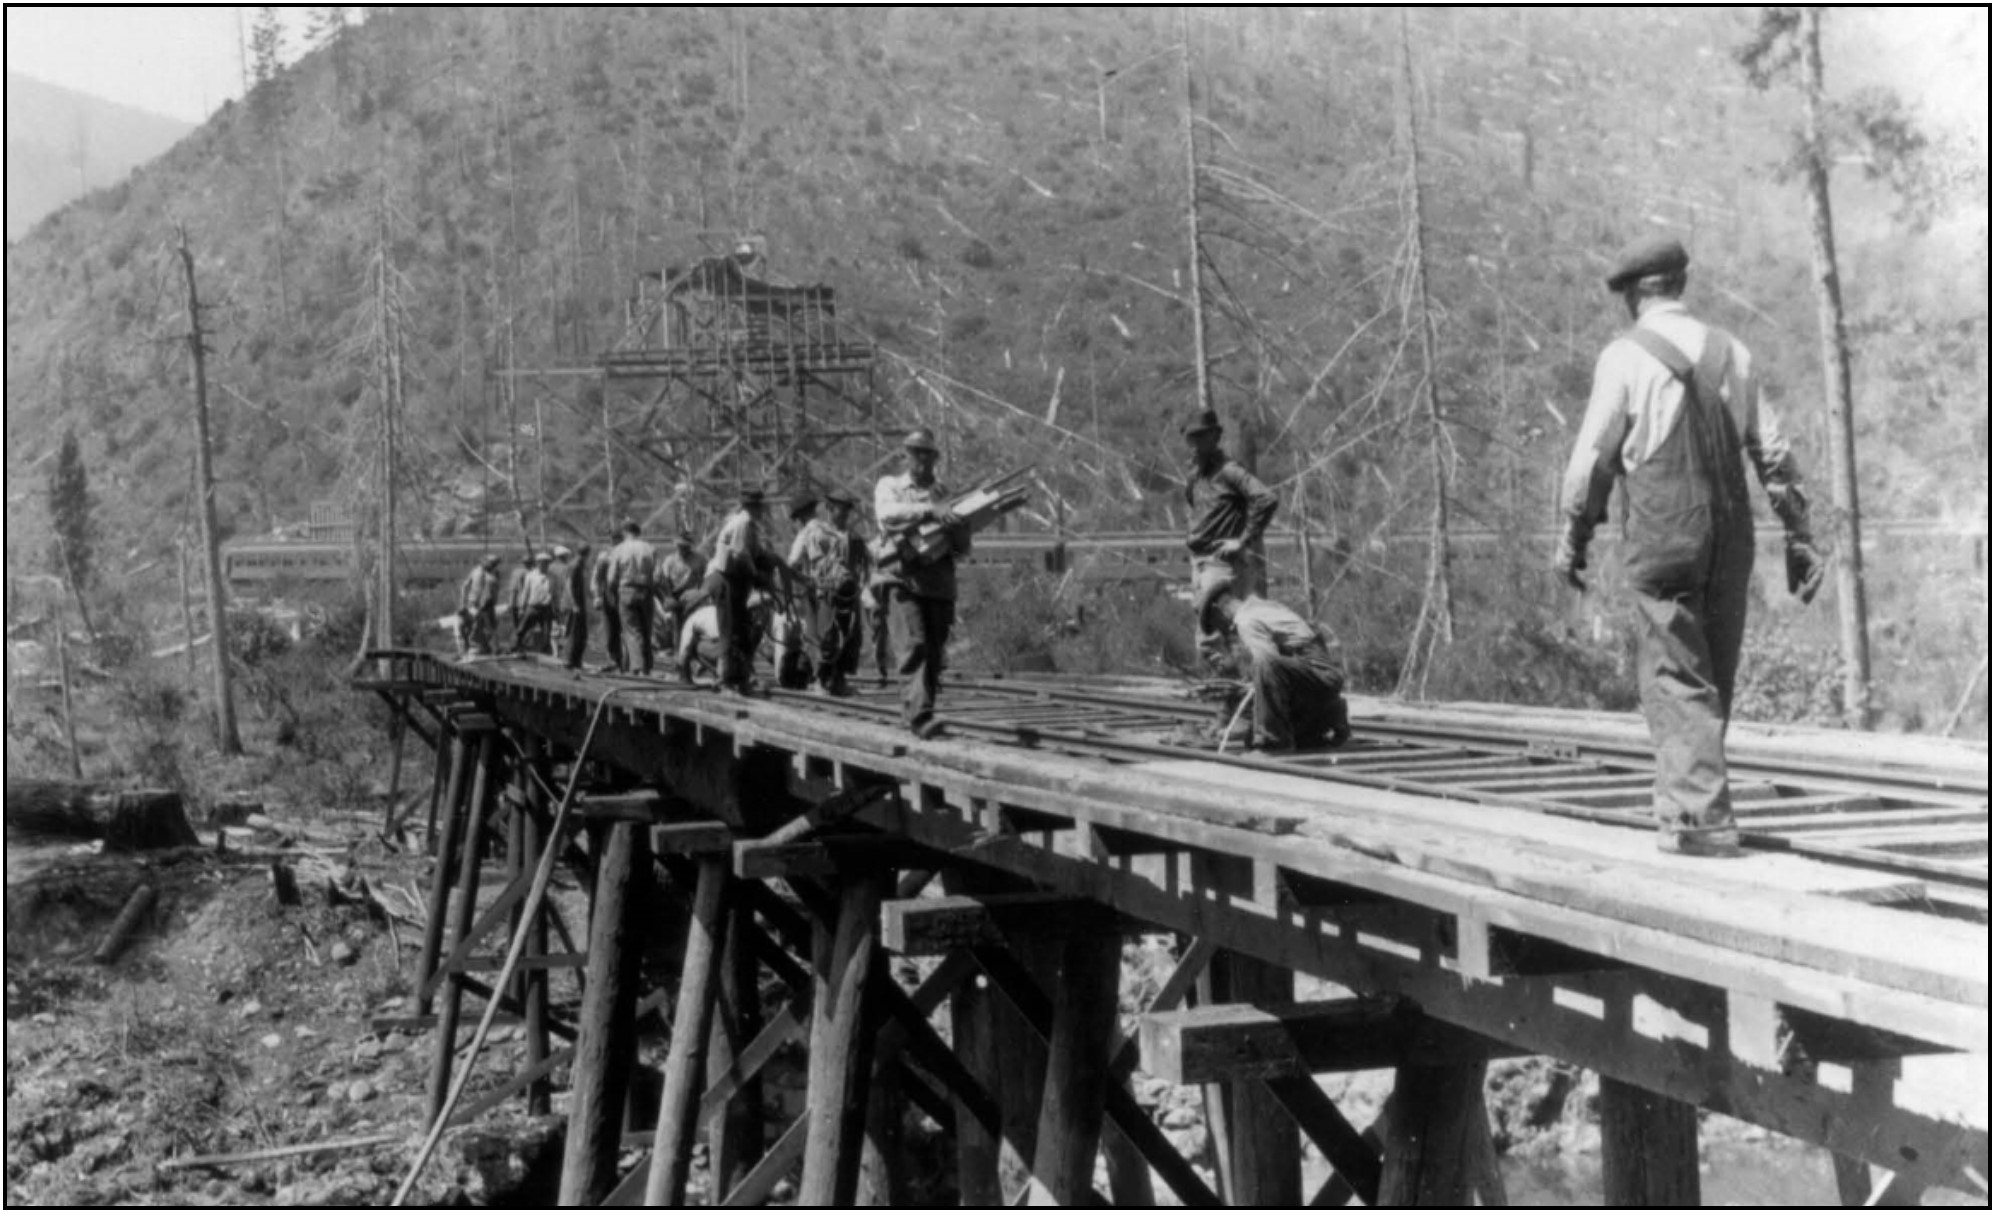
(1436, 622)
(218, 616)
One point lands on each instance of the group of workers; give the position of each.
(1674, 407)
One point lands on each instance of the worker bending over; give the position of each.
(1297, 688)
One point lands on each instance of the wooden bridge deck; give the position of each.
(1780, 988)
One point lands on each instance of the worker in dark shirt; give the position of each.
(1230, 509)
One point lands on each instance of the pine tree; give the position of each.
(74, 551)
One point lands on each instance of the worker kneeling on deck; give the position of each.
(1297, 688)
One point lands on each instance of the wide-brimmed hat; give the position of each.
(561, 552)
(1652, 255)
(839, 497)
(1201, 422)
(921, 440)
(542, 558)
(802, 504)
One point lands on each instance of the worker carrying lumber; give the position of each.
(1296, 687)
(741, 565)
(1674, 406)
(921, 537)
(1230, 509)
(478, 606)
(830, 562)
(628, 581)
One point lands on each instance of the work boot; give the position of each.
(1717, 843)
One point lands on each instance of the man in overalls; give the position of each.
(1673, 408)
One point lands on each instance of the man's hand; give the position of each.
(1805, 568)
(1230, 549)
(1569, 559)
(948, 517)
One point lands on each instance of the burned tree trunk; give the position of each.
(139, 820)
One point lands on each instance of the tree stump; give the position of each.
(139, 820)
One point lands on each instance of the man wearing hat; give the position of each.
(831, 563)
(680, 574)
(920, 597)
(739, 566)
(478, 606)
(536, 606)
(1229, 508)
(1674, 407)
(576, 579)
(628, 581)
(1298, 688)
(603, 599)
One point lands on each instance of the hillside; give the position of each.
(1008, 223)
(62, 143)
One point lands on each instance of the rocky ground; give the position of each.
(236, 1026)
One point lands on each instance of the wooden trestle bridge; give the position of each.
(1481, 884)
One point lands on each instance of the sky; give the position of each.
(183, 62)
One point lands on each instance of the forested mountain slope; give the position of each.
(62, 143)
(1007, 220)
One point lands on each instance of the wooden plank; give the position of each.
(608, 1040)
(692, 838)
(1822, 823)
(930, 927)
(644, 808)
(1230, 1042)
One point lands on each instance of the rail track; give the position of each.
(1928, 823)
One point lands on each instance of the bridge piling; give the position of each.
(678, 1109)
(443, 857)
(484, 791)
(843, 946)
(1437, 1140)
(735, 1132)
(606, 1043)
(530, 815)
(1649, 1148)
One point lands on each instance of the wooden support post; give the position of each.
(1077, 1076)
(841, 1051)
(441, 872)
(1649, 1148)
(678, 1106)
(440, 771)
(1263, 1145)
(1438, 1148)
(606, 1046)
(397, 731)
(735, 1131)
(974, 1032)
(484, 787)
(881, 1179)
(535, 779)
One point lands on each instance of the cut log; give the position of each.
(138, 820)
(127, 922)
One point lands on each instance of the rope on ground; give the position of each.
(543, 875)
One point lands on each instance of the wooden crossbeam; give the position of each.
(1356, 1159)
(760, 860)
(1486, 953)
(1018, 987)
(1228, 1042)
(492, 964)
(692, 838)
(640, 807)
(928, 927)
(495, 914)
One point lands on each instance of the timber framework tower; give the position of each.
(736, 379)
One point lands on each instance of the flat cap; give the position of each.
(1200, 423)
(1648, 256)
(752, 496)
(491, 559)
(840, 497)
(542, 558)
(561, 552)
(920, 440)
